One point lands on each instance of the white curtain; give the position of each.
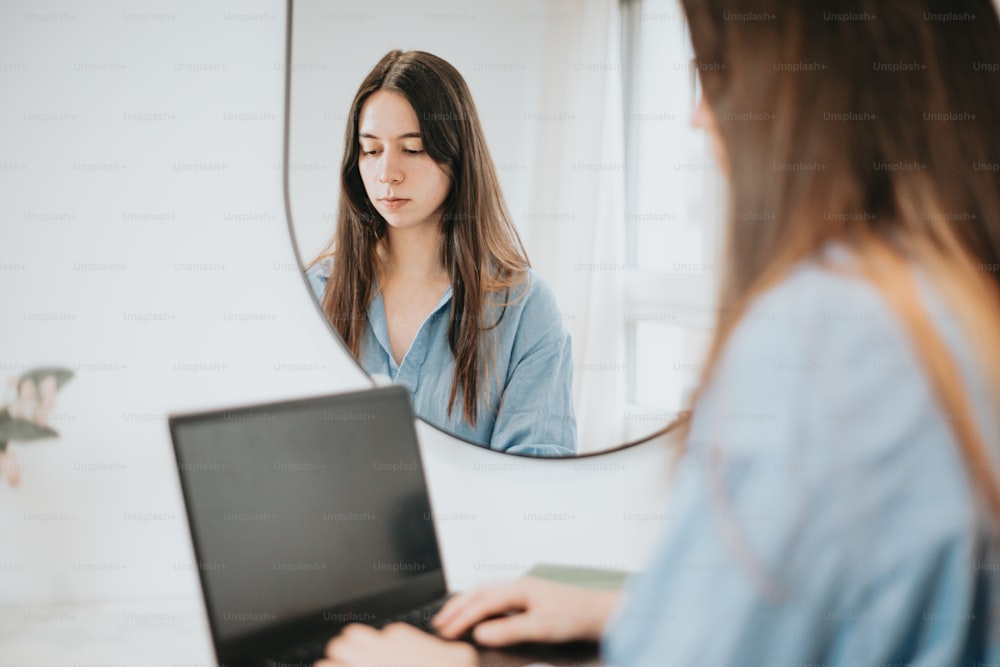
(577, 237)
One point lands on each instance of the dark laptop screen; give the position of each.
(299, 507)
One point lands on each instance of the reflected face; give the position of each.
(406, 186)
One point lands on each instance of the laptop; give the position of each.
(308, 515)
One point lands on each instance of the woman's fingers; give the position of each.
(547, 612)
(396, 644)
(513, 630)
(452, 606)
(467, 609)
(345, 646)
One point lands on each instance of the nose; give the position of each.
(701, 117)
(389, 170)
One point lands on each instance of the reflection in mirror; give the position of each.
(585, 108)
(426, 279)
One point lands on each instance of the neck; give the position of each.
(413, 253)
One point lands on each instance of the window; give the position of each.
(674, 199)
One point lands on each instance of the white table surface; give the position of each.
(162, 632)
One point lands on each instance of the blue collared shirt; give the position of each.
(527, 407)
(822, 513)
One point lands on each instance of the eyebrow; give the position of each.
(408, 135)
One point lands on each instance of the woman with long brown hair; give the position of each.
(426, 279)
(838, 499)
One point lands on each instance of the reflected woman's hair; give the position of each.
(873, 134)
(480, 247)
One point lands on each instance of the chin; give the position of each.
(403, 222)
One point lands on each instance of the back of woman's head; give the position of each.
(844, 117)
(874, 124)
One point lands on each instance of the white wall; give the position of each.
(142, 242)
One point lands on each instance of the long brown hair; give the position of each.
(876, 124)
(480, 246)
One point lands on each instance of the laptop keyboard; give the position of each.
(420, 617)
(309, 652)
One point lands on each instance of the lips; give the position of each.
(393, 202)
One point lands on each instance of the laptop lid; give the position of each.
(306, 515)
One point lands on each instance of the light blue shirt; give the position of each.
(528, 405)
(822, 514)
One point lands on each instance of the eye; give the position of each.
(368, 152)
(413, 151)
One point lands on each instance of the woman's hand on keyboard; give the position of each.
(397, 644)
(528, 610)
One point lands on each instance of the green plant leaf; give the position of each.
(22, 429)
